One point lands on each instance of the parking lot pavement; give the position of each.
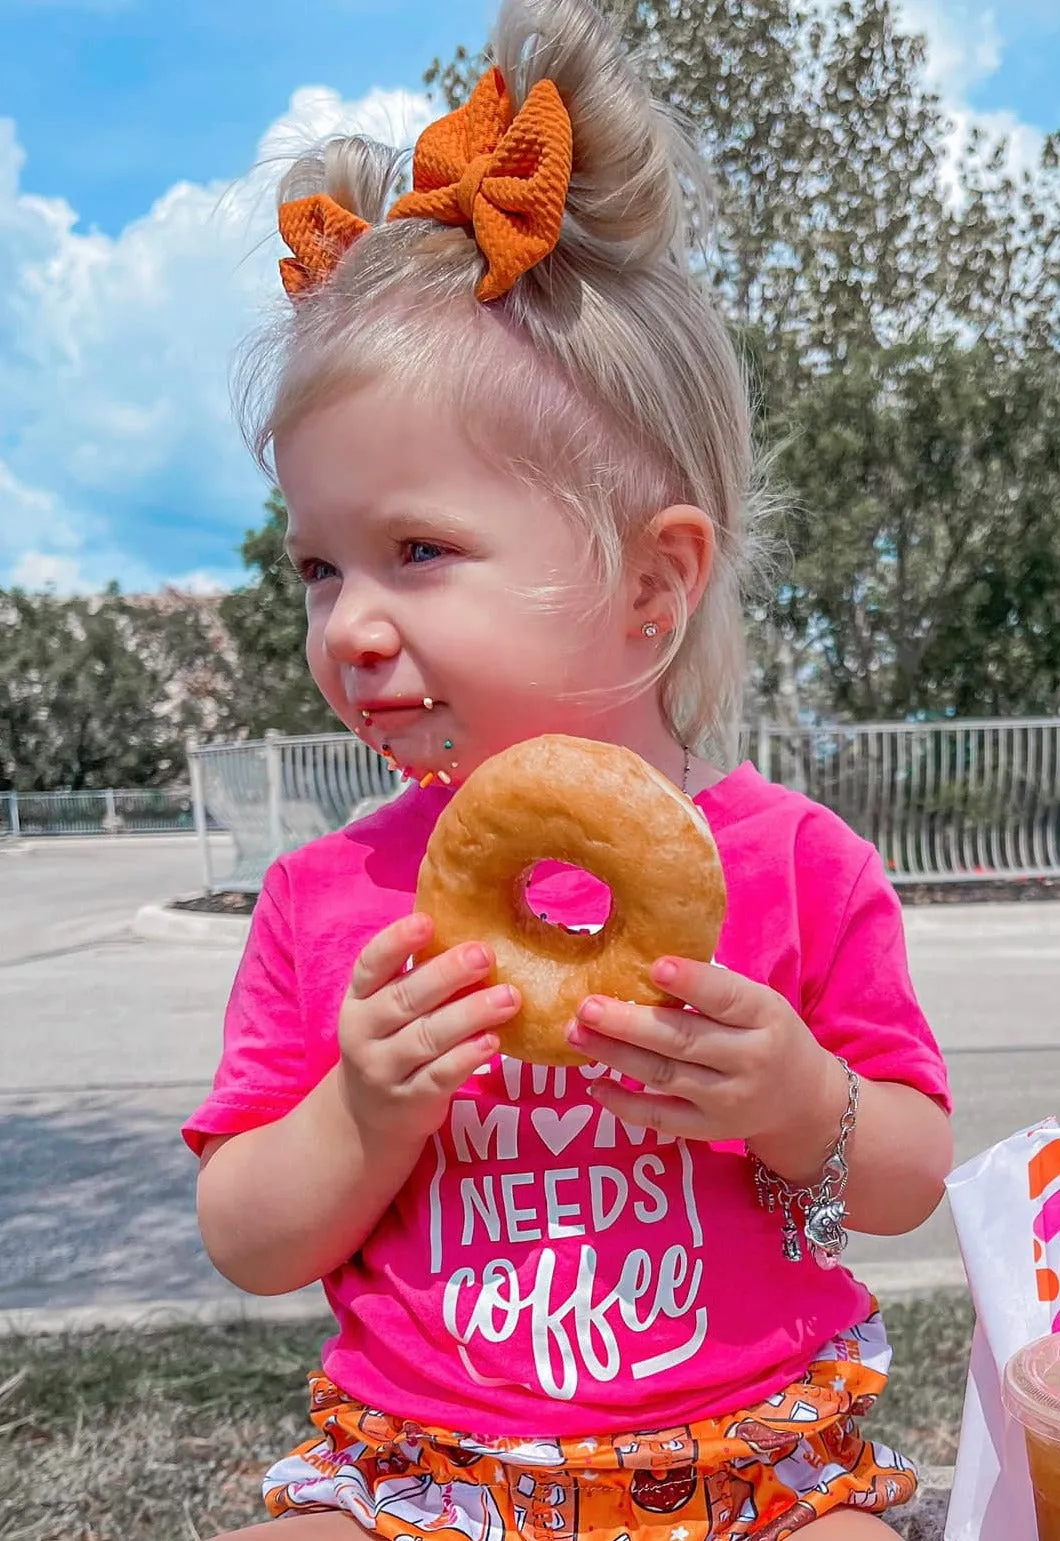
(60, 893)
(988, 977)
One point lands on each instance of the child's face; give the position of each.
(423, 568)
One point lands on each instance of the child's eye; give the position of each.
(418, 552)
(313, 570)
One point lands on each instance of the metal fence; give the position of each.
(276, 793)
(942, 802)
(143, 811)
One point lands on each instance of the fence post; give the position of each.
(110, 812)
(12, 803)
(198, 804)
(765, 768)
(274, 789)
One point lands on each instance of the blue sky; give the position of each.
(115, 100)
(131, 274)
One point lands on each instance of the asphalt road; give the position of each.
(108, 1040)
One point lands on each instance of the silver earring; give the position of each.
(650, 629)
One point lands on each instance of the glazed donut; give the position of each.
(593, 806)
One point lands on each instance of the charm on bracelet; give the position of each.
(822, 1208)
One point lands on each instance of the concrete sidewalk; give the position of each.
(108, 1040)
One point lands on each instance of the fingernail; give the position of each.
(476, 958)
(576, 1034)
(591, 1011)
(665, 971)
(502, 996)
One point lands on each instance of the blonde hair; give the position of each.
(606, 376)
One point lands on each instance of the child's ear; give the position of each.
(676, 552)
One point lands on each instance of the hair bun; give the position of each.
(357, 172)
(633, 165)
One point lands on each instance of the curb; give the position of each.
(159, 1315)
(157, 923)
(936, 1476)
(66, 936)
(919, 1276)
(27, 845)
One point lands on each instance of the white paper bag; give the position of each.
(1006, 1208)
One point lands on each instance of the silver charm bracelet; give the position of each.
(822, 1209)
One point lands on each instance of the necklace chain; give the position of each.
(688, 769)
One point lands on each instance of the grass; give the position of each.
(164, 1436)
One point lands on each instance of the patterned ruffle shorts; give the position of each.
(763, 1471)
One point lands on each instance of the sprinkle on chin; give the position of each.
(406, 772)
(441, 776)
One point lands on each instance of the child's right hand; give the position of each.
(407, 1043)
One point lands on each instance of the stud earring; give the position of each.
(650, 629)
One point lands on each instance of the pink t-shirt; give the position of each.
(546, 1270)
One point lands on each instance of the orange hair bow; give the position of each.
(319, 231)
(504, 173)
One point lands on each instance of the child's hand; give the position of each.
(745, 1068)
(407, 1045)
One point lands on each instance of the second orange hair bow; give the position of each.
(506, 174)
(318, 230)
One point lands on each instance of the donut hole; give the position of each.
(559, 888)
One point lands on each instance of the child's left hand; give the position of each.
(742, 1065)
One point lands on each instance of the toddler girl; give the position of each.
(514, 443)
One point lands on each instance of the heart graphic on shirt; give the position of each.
(557, 1130)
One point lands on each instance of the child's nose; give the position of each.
(354, 636)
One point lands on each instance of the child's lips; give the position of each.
(391, 718)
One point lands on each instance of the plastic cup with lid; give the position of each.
(1031, 1393)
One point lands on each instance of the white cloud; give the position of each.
(31, 512)
(966, 47)
(45, 570)
(1024, 140)
(118, 454)
(66, 575)
(202, 582)
(316, 112)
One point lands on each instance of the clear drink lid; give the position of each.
(1031, 1387)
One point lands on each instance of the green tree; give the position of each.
(92, 691)
(266, 621)
(928, 567)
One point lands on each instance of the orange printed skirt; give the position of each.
(764, 1471)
